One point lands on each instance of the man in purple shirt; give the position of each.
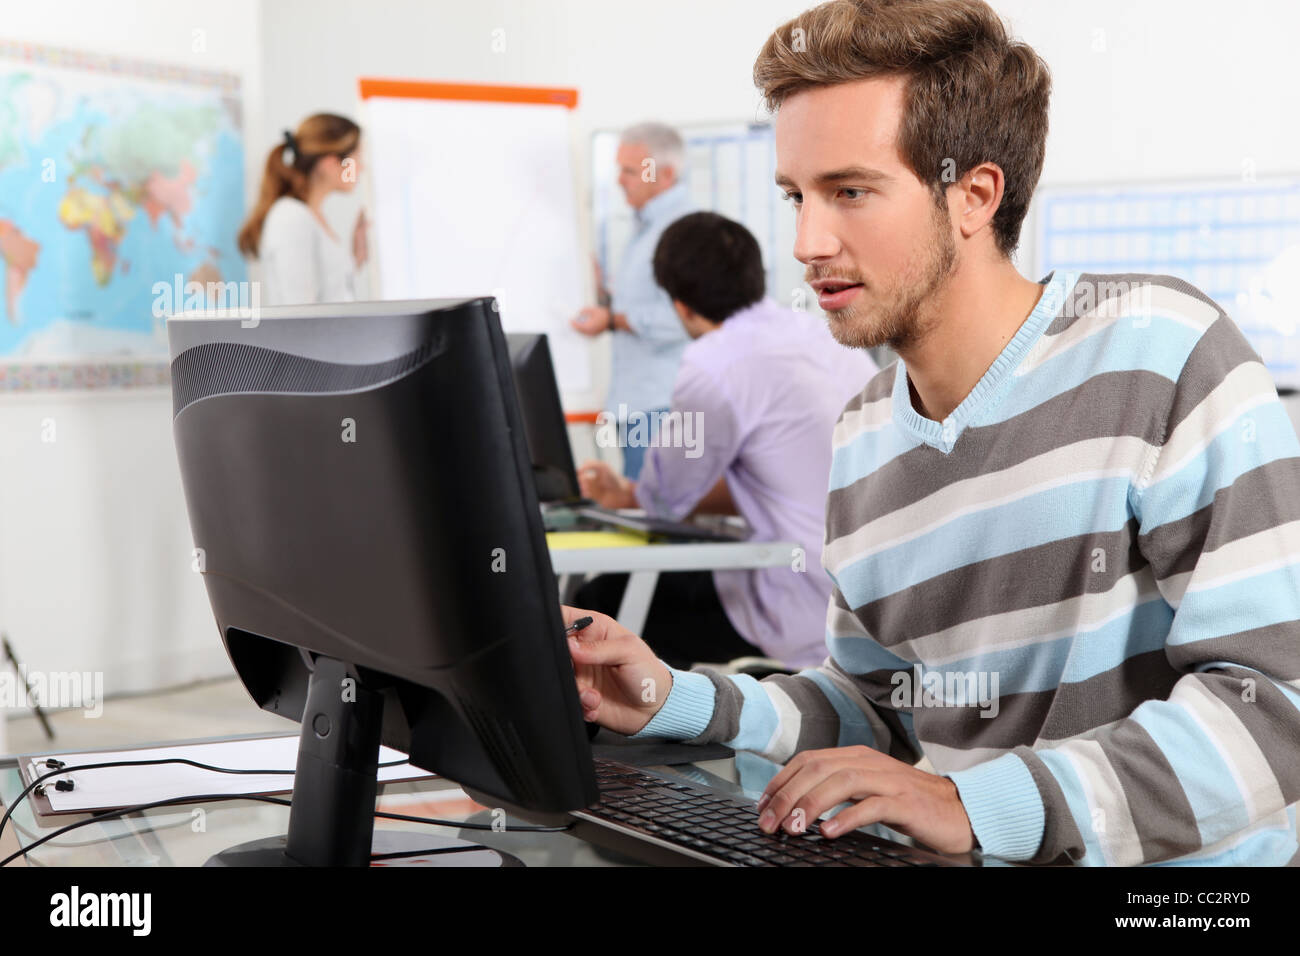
(753, 408)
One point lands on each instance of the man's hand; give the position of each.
(883, 790)
(592, 320)
(621, 683)
(599, 482)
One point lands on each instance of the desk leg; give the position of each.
(636, 600)
(569, 585)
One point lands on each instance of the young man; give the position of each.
(758, 393)
(1063, 528)
(648, 339)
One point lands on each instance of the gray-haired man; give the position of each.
(648, 336)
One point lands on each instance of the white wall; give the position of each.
(94, 538)
(94, 541)
(1185, 88)
(681, 61)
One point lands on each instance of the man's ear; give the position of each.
(683, 310)
(980, 195)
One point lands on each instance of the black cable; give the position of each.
(433, 852)
(181, 821)
(139, 763)
(215, 798)
(218, 797)
(464, 825)
(114, 814)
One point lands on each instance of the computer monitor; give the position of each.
(544, 424)
(365, 520)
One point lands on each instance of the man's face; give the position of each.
(633, 173)
(878, 250)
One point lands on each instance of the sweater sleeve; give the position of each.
(646, 306)
(699, 440)
(1186, 772)
(779, 716)
(650, 316)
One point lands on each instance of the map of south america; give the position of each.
(19, 256)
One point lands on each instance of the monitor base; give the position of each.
(442, 851)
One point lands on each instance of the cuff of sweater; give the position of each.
(687, 710)
(1004, 805)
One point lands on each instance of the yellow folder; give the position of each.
(573, 540)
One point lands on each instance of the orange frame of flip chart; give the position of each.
(480, 92)
(376, 87)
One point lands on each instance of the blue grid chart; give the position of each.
(1239, 242)
(730, 170)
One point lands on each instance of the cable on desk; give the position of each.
(218, 797)
(65, 769)
(181, 821)
(474, 847)
(470, 826)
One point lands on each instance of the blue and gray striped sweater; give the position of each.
(1078, 596)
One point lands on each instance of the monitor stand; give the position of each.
(331, 816)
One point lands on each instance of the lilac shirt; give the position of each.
(767, 385)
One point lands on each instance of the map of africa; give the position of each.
(114, 176)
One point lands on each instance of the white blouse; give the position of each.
(301, 262)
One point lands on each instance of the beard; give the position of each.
(900, 314)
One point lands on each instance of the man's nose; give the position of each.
(814, 239)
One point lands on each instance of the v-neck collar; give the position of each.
(943, 435)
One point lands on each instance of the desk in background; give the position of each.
(643, 564)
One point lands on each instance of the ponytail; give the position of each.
(278, 180)
(323, 134)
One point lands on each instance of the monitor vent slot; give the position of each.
(230, 368)
(504, 749)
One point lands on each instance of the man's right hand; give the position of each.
(621, 683)
(592, 320)
(599, 482)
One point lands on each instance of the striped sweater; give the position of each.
(1078, 596)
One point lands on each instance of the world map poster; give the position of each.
(118, 178)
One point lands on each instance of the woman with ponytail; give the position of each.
(302, 260)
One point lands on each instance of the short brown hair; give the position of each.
(973, 94)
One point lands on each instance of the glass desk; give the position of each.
(188, 834)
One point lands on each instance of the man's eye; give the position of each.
(858, 193)
(796, 198)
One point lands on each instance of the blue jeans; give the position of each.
(634, 452)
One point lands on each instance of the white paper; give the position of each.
(127, 786)
(476, 199)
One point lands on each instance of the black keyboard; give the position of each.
(683, 822)
(587, 516)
